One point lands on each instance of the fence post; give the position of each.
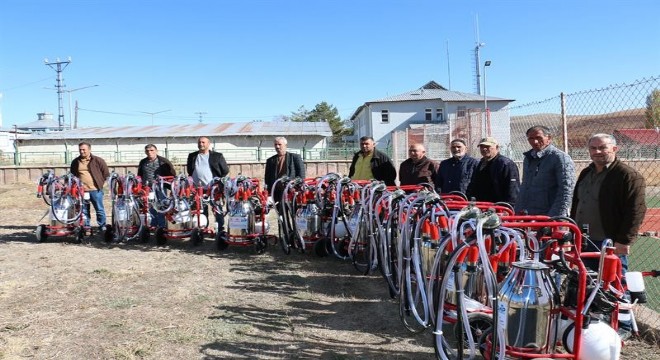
(167, 150)
(304, 150)
(259, 151)
(17, 156)
(564, 126)
(66, 153)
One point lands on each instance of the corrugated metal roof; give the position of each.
(436, 94)
(273, 128)
(430, 91)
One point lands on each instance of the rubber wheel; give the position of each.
(197, 237)
(109, 234)
(322, 247)
(160, 237)
(221, 241)
(284, 243)
(144, 236)
(479, 323)
(40, 233)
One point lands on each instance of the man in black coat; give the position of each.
(369, 163)
(203, 165)
(283, 163)
(151, 166)
(496, 178)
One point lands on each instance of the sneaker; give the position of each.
(103, 228)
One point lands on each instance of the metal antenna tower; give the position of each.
(477, 62)
(59, 66)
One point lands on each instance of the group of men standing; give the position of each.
(607, 199)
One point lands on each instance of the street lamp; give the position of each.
(154, 113)
(70, 111)
(486, 114)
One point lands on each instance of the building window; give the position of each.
(384, 116)
(460, 111)
(428, 115)
(439, 116)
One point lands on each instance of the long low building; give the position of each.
(239, 142)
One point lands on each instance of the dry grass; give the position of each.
(98, 301)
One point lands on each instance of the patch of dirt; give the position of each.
(68, 301)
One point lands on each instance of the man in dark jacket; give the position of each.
(609, 203)
(151, 166)
(369, 163)
(92, 172)
(418, 168)
(496, 178)
(203, 165)
(456, 172)
(283, 163)
(609, 198)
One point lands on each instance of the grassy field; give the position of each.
(645, 256)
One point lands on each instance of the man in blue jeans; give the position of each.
(92, 172)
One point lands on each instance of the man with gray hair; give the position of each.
(548, 176)
(609, 198)
(283, 163)
(609, 203)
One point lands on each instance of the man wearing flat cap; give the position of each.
(456, 172)
(496, 178)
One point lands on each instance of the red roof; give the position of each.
(638, 136)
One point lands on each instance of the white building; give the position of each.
(447, 112)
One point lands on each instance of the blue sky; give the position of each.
(249, 60)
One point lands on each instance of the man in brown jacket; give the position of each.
(609, 198)
(609, 203)
(418, 168)
(92, 172)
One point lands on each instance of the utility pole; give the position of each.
(59, 66)
(200, 113)
(154, 113)
(72, 124)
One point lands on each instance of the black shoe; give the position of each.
(221, 241)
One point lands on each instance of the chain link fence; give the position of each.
(630, 112)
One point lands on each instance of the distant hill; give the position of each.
(580, 127)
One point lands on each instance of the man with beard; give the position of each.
(456, 172)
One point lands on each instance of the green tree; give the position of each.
(652, 112)
(323, 112)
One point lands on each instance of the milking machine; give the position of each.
(247, 210)
(345, 222)
(181, 202)
(286, 212)
(130, 216)
(550, 305)
(65, 197)
(308, 224)
(301, 223)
